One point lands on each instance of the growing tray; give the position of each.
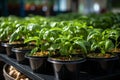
(25, 69)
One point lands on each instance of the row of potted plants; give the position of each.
(66, 44)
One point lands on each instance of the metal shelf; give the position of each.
(36, 76)
(25, 69)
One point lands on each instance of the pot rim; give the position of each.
(103, 59)
(10, 45)
(20, 51)
(35, 57)
(53, 60)
(5, 44)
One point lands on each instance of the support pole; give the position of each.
(22, 9)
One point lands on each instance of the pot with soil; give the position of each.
(100, 60)
(9, 46)
(101, 64)
(20, 53)
(67, 68)
(38, 62)
(69, 61)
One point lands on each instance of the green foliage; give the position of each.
(114, 34)
(98, 39)
(65, 33)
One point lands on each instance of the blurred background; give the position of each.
(55, 7)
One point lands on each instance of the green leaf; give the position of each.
(13, 37)
(53, 24)
(108, 45)
(101, 44)
(81, 44)
(93, 46)
(56, 28)
(35, 38)
(92, 35)
(54, 47)
(34, 50)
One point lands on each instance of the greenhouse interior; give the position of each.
(59, 39)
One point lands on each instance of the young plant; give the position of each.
(71, 39)
(98, 39)
(114, 34)
(41, 43)
(27, 27)
(24, 31)
(8, 26)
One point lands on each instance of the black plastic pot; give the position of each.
(8, 48)
(40, 65)
(20, 55)
(100, 66)
(117, 64)
(66, 70)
